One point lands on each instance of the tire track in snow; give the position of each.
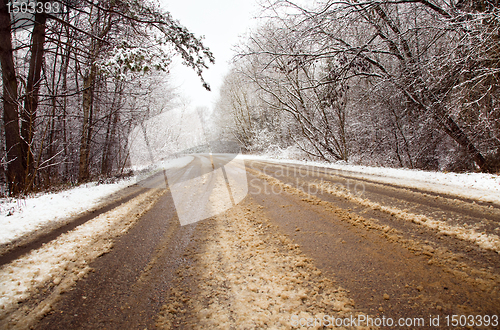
(483, 279)
(483, 240)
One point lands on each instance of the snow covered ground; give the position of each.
(19, 217)
(477, 186)
(58, 264)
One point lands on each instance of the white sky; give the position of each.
(221, 22)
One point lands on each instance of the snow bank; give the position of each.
(58, 264)
(478, 186)
(19, 217)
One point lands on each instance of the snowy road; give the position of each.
(305, 242)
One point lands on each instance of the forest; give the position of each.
(398, 83)
(77, 77)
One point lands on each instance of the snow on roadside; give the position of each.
(479, 186)
(19, 217)
(61, 262)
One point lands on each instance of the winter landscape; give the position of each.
(271, 164)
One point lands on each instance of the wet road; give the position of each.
(287, 240)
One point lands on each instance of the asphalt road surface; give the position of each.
(232, 244)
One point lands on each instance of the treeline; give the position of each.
(408, 83)
(77, 81)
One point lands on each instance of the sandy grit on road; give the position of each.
(249, 276)
(451, 263)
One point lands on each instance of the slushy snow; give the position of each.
(19, 217)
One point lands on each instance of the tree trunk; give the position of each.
(15, 168)
(456, 133)
(106, 150)
(106, 165)
(28, 115)
(88, 90)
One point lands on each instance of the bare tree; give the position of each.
(306, 89)
(435, 61)
(15, 166)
